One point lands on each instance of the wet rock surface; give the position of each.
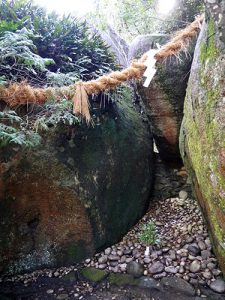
(84, 172)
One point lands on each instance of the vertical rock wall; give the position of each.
(202, 139)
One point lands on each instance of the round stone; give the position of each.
(50, 291)
(156, 267)
(103, 259)
(201, 245)
(172, 254)
(147, 260)
(183, 195)
(218, 286)
(113, 257)
(107, 251)
(194, 250)
(56, 274)
(171, 269)
(123, 267)
(205, 254)
(211, 266)
(195, 266)
(207, 275)
(102, 266)
(160, 275)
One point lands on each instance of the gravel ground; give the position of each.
(185, 250)
(184, 253)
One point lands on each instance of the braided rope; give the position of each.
(17, 94)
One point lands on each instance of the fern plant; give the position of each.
(66, 40)
(18, 59)
(12, 131)
(53, 114)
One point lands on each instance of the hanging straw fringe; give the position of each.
(21, 93)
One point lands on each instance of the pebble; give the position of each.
(113, 257)
(102, 266)
(50, 291)
(156, 267)
(123, 267)
(107, 251)
(172, 254)
(183, 195)
(201, 245)
(147, 260)
(127, 252)
(171, 269)
(218, 286)
(160, 275)
(194, 250)
(103, 259)
(62, 296)
(211, 266)
(207, 275)
(195, 266)
(205, 254)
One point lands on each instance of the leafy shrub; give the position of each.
(149, 234)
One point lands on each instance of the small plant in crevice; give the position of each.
(149, 234)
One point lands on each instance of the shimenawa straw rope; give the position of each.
(22, 93)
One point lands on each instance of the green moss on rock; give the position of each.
(123, 279)
(94, 275)
(203, 135)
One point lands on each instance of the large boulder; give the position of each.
(203, 131)
(164, 98)
(77, 192)
(145, 42)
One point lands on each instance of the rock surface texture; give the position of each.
(79, 191)
(203, 131)
(164, 98)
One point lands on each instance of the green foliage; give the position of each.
(26, 130)
(184, 13)
(53, 114)
(13, 132)
(18, 60)
(149, 234)
(65, 40)
(130, 18)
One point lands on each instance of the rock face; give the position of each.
(144, 43)
(79, 191)
(164, 98)
(203, 131)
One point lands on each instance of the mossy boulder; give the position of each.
(202, 138)
(93, 274)
(77, 192)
